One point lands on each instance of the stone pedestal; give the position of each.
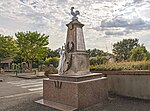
(70, 93)
(79, 64)
(77, 60)
(76, 88)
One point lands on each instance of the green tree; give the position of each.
(122, 49)
(7, 46)
(98, 56)
(32, 46)
(139, 53)
(52, 60)
(95, 52)
(98, 60)
(53, 53)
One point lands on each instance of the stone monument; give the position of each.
(76, 59)
(74, 87)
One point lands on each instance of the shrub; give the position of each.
(54, 61)
(139, 65)
(97, 60)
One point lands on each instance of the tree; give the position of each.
(95, 52)
(52, 60)
(98, 57)
(139, 53)
(53, 53)
(32, 46)
(7, 46)
(122, 49)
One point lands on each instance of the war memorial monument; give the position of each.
(74, 87)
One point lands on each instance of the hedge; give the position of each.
(139, 65)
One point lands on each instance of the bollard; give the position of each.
(16, 73)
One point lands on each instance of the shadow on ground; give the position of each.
(120, 103)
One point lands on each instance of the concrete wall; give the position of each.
(137, 86)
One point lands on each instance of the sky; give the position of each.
(106, 21)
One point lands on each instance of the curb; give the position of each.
(31, 77)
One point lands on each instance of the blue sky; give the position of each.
(106, 21)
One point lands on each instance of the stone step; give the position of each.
(55, 105)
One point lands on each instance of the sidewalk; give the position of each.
(12, 76)
(9, 77)
(31, 75)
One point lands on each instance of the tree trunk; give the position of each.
(30, 65)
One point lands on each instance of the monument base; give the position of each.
(74, 92)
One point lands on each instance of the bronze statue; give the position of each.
(74, 14)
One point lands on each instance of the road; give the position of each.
(18, 94)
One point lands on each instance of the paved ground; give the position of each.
(9, 77)
(118, 103)
(17, 94)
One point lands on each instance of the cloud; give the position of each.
(118, 33)
(5, 31)
(145, 38)
(132, 16)
(134, 24)
(137, 1)
(115, 22)
(105, 20)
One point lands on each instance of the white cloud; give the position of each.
(106, 21)
(115, 33)
(133, 24)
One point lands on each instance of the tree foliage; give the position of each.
(122, 49)
(98, 56)
(7, 46)
(53, 53)
(52, 60)
(95, 52)
(139, 53)
(31, 45)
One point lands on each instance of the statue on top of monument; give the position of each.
(60, 67)
(74, 14)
